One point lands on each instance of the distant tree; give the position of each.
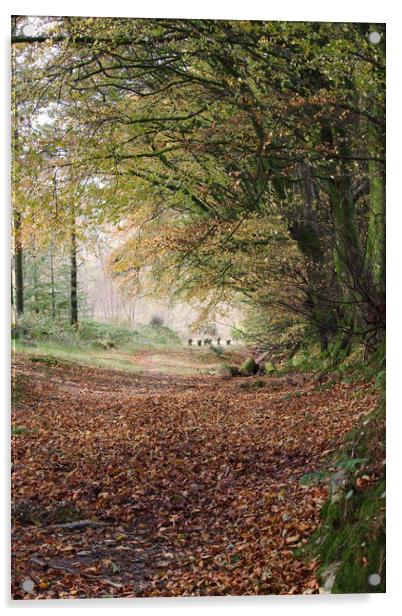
(210, 330)
(156, 321)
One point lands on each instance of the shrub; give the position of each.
(92, 334)
(217, 350)
(156, 321)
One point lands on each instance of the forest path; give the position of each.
(195, 480)
(186, 360)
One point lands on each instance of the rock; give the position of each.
(249, 367)
(269, 367)
(228, 371)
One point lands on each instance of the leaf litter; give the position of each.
(192, 484)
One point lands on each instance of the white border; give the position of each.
(306, 10)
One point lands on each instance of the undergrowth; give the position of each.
(101, 345)
(35, 328)
(351, 536)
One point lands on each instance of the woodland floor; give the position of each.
(194, 479)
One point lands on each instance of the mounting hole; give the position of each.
(374, 37)
(28, 30)
(28, 585)
(374, 579)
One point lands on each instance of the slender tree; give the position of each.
(73, 271)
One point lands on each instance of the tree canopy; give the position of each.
(241, 160)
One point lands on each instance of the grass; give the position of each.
(56, 353)
(89, 333)
(95, 344)
(165, 359)
(352, 531)
(101, 345)
(353, 534)
(15, 430)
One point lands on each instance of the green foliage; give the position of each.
(352, 531)
(15, 430)
(270, 328)
(237, 334)
(46, 281)
(104, 335)
(313, 478)
(218, 350)
(253, 167)
(147, 335)
(93, 334)
(380, 380)
(349, 464)
(32, 326)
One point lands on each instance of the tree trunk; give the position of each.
(376, 225)
(73, 276)
(376, 222)
(35, 278)
(304, 228)
(18, 269)
(53, 295)
(17, 216)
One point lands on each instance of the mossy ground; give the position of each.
(352, 532)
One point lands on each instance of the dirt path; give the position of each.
(194, 481)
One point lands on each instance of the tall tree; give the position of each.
(201, 134)
(73, 271)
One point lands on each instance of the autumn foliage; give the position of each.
(194, 482)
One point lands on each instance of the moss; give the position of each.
(352, 531)
(269, 367)
(249, 367)
(228, 371)
(352, 534)
(16, 430)
(363, 546)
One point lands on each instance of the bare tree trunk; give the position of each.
(35, 278)
(73, 276)
(52, 283)
(18, 256)
(17, 218)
